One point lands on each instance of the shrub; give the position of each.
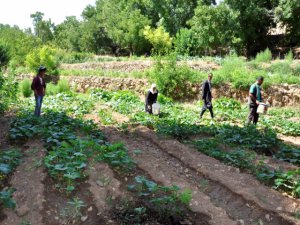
(51, 89)
(8, 90)
(159, 38)
(265, 56)
(63, 86)
(289, 56)
(281, 68)
(43, 56)
(73, 57)
(26, 88)
(297, 69)
(4, 55)
(172, 80)
(183, 42)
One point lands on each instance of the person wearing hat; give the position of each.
(255, 98)
(207, 96)
(39, 86)
(151, 98)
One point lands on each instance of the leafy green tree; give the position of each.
(43, 29)
(18, 42)
(255, 18)
(68, 33)
(94, 37)
(288, 14)
(213, 27)
(184, 42)
(160, 40)
(124, 25)
(43, 56)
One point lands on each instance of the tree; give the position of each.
(213, 27)
(160, 40)
(288, 14)
(68, 33)
(124, 25)
(255, 18)
(18, 42)
(43, 29)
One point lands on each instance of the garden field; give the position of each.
(97, 158)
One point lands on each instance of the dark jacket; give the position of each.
(38, 86)
(151, 98)
(206, 91)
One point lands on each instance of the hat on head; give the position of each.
(42, 68)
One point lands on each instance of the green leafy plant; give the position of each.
(63, 86)
(26, 88)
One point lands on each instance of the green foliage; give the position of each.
(51, 89)
(264, 56)
(289, 56)
(73, 57)
(4, 55)
(166, 200)
(160, 40)
(63, 86)
(172, 79)
(8, 91)
(214, 27)
(184, 42)
(42, 56)
(117, 156)
(26, 88)
(6, 199)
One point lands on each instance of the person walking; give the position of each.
(207, 96)
(151, 98)
(39, 87)
(255, 98)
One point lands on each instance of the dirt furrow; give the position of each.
(162, 170)
(233, 188)
(104, 188)
(28, 182)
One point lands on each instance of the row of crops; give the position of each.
(72, 141)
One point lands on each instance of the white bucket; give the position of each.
(156, 108)
(262, 108)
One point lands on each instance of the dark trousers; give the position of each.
(253, 115)
(38, 105)
(207, 105)
(148, 108)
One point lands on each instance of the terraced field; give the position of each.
(97, 158)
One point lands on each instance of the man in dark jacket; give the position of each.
(39, 86)
(255, 98)
(151, 98)
(207, 96)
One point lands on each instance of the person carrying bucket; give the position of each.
(151, 98)
(255, 98)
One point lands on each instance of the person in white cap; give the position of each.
(151, 98)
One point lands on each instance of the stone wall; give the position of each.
(282, 95)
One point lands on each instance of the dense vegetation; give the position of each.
(137, 27)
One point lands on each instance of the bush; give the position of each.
(26, 88)
(265, 56)
(297, 69)
(160, 40)
(63, 86)
(281, 68)
(8, 90)
(173, 80)
(289, 56)
(183, 42)
(4, 55)
(43, 56)
(73, 57)
(51, 89)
